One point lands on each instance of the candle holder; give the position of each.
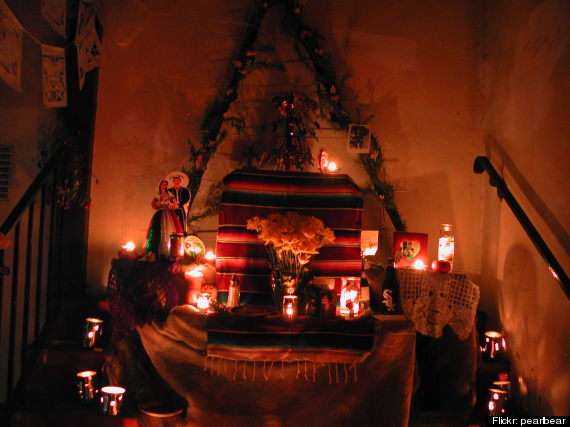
(494, 344)
(176, 245)
(497, 402)
(85, 387)
(290, 307)
(193, 286)
(112, 400)
(203, 302)
(92, 331)
(506, 387)
(446, 246)
(503, 385)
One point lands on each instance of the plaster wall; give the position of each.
(525, 83)
(410, 65)
(24, 121)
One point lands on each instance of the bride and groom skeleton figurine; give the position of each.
(170, 215)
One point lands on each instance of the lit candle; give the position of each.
(419, 265)
(128, 251)
(111, 400)
(332, 167)
(85, 387)
(494, 344)
(446, 247)
(210, 256)
(194, 286)
(503, 385)
(290, 307)
(92, 331)
(203, 302)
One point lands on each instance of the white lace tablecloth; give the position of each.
(433, 300)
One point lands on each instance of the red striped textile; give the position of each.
(333, 198)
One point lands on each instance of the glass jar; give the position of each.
(446, 248)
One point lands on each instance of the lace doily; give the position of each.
(433, 300)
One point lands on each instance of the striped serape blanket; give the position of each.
(273, 339)
(333, 198)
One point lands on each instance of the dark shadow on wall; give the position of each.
(524, 325)
(494, 146)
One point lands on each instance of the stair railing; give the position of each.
(483, 164)
(30, 291)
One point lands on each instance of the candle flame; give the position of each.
(210, 256)
(331, 167)
(112, 389)
(194, 273)
(419, 265)
(203, 302)
(129, 246)
(493, 334)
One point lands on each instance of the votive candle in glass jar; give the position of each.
(446, 247)
(290, 307)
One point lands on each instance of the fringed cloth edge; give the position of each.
(307, 370)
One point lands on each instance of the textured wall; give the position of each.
(411, 65)
(525, 85)
(23, 119)
(445, 81)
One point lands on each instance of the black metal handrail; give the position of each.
(483, 164)
(30, 270)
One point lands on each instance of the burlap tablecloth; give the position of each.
(374, 391)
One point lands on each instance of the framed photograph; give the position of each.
(410, 249)
(359, 138)
(368, 242)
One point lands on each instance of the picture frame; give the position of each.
(410, 249)
(358, 138)
(369, 242)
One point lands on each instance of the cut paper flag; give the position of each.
(88, 50)
(55, 14)
(11, 42)
(53, 77)
(84, 14)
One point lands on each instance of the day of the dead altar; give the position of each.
(304, 367)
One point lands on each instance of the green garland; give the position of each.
(308, 44)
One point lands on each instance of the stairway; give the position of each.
(51, 398)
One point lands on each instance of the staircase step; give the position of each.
(72, 417)
(71, 353)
